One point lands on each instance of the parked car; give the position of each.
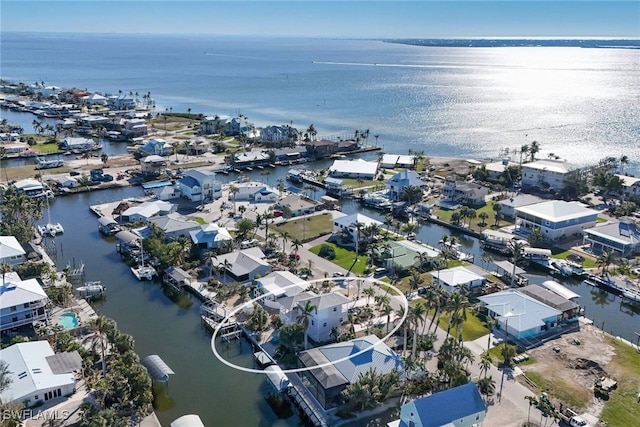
(338, 274)
(578, 422)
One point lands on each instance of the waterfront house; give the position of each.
(280, 283)
(271, 134)
(623, 238)
(547, 174)
(495, 170)
(210, 236)
(177, 277)
(290, 154)
(158, 147)
(66, 181)
(146, 210)
(245, 265)
(460, 406)
(108, 226)
(153, 164)
(31, 187)
(95, 99)
(128, 242)
(330, 311)
(347, 224)
(121, 102)
(392, 161)
(357, 169)
(213, 124)
(22, 302)
(321, 148)
(254, 192)
(463, 192)
(11, 253)
(556, 219)
(335, 185)
(569, 309)
(454, 279)
(77, 143)
(630, 186)
(16, 148)
(200, 185)
(296, 205)
(38, 374)
(93, 121)
(327, 383)
(251, 159)
(509, 205)
(175, 225)
(402, 180)
(520, 315)
(133, 128)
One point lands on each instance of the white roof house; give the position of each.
(277, 284)
(452, 279)
(521, 315)
(401, 180)
(11, 251)
(210, 236)
(509, 205)
(556, 219)
(21, 302)
(31, 187)
(35, 374)
(354, 169)
(347, 223)
(146, 210)
(551, 172)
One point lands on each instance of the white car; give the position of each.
(578, 422)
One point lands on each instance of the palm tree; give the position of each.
(285, 237)
(497, 207)
(102, 327)
(416, 280)
(534, 148)
(605, 260)
(523, 151)
(624, 160)
(296, 244)
(457, 306)
(305, 314)
(370, 292)
(485, 362)
(516, 247)
(471, 214)
(483, 217)
(233, 190)
(415, 317)
(486, 386)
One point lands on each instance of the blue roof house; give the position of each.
(402, 180)
(460, 406)
(520, 315)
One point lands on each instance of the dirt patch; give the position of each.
(569, 367)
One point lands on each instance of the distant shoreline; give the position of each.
(522, 42)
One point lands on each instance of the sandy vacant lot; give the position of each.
(571, 370)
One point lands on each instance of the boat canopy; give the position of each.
(158, 370)
(105, 220)
(537, 251)
(557, 288)
(277, 377)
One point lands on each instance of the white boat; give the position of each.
(51, 229)
(143, 272)
(48, 164)
(631, 294)
(91, 290)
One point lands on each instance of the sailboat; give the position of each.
(143, 272)
(50, 229)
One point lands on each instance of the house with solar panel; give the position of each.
(38, 374)
(351, 360)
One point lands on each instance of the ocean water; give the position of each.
(580, 104)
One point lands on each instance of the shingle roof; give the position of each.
(445, 407)
(323, 301)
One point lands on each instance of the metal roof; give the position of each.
(62, 363)
(158, 370)
(551, 299)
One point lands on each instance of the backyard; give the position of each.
(345, 258)
(305, 229)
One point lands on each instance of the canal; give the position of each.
(171, 329)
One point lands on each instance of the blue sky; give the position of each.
(366, 19)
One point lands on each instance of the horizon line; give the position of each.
(487, 37)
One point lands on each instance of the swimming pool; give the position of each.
(68, 320)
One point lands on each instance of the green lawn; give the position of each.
(476, 223)
(305, 229)
(599, 220)
(344, 258)
(199, 220)
(473, 328)
(46, 148)
(622, 408)
(562, 254)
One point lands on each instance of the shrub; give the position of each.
(327, 251)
